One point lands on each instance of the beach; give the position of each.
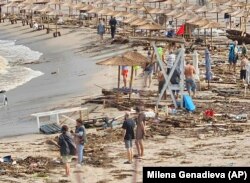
(60, 73)
(76, 75)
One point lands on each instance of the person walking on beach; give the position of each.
(170, 61)
(244, 50)
(161, 82)
(101, 29)
(236, 53)
(208, 65)
(67, 148)
(189, 73)
(125, 75)
(140, 131)
(80, 139)
(128, 136)
(148, 73)
(231, 56)
(243, 68)
(112, 23)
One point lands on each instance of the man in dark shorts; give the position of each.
(129, 135)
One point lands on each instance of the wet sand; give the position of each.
(76, 75)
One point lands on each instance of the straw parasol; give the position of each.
(216, 10)
(94, 10)
(228, 10)
(157, 11)
(202, 9)
(238, 4)
(212, 25)
(104, 11)
(28, 7)
(230, 3)
(114, 5)
(41, 2)
(129, 20)
(138, 22)
(151, 26)
(182, 5)
(78, 6)
(173, 13)
(132, 58)
(37, 7)
(192, 7)
(121, 14)
(194, 19)
(134, 55)
(87, 8)
(134, 6)
(46, 10)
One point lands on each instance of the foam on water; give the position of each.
(12, 73)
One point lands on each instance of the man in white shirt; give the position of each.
(170, 61)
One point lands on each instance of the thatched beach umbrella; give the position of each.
(87, 8)
(11, 5)
(55, 3)
(202, 9)
(121, 14)
(230, 3)
(170, 3)
(127, 59)
(69, 5)
(41, 2)
(192, 7)
(216, 10)
(182, 5)
(212, 25)
(114, 5)
(55, 13)
(94, 10)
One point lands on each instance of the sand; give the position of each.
(73, 58)
(76, 75)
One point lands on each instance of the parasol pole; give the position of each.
(217, 17)
(119, 76)
(211, 37)
(131, 82)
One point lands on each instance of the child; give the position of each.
(243, 67)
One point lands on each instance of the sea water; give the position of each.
(13, 72)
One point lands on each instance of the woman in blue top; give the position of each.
(231, 58)
(101, 29)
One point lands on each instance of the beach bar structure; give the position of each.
(55, 115)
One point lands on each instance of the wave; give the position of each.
(12, 71)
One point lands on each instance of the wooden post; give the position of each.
(119, 76)
(38, 123)
(211, 37)
(131, 82)
(80, 115)
(217, 17)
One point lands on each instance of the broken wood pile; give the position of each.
(30, 165)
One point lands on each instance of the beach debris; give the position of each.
(50, 128)
(239, 118)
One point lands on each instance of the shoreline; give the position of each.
(75, 75)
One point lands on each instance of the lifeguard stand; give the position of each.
(179, 63)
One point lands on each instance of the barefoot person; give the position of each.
(148, 73)
(101, 29)
(231, 56)
(125, 75)
(80, 139)
(140, 132)
(67, 147)
(243, 68)
(189, 75)
(128, 136)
